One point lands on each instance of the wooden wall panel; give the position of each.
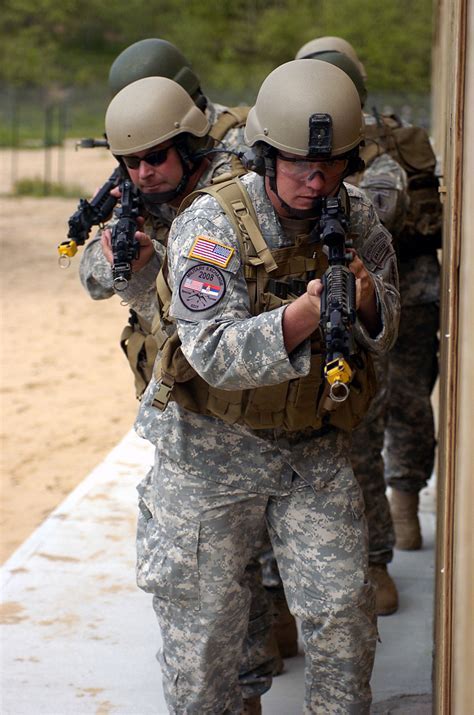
(453, 135)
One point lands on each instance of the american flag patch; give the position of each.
(210, 251)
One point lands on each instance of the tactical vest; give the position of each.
(136, 340)
(274, 278)
(411, 148)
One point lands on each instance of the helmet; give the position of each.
(308, 108)
(330, 44)
(349, 67)
(153, 58)
(150, 111)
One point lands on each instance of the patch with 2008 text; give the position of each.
(201, 287)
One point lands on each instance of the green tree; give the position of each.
(233, 44)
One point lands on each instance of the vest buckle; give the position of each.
(162, 395)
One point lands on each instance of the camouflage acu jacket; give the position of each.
(230, 348)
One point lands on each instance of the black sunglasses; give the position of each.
(154, 158)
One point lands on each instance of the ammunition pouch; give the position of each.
(293, 405)
(140, 349)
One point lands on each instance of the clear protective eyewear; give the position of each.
(304, 169)
(154, 158)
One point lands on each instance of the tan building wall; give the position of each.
(453, 132)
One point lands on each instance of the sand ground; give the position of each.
(66, 391)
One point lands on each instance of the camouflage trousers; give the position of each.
(410, 443)
(368, 466)
(258, 651)
(196, 538)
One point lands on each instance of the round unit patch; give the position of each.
(201, 287)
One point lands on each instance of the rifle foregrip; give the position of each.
(338, 294)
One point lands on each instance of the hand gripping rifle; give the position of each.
(125, 247)
(89, 213)
(338, 305)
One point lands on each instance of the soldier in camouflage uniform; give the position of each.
(221, 469)
(150, 58)
(368, 438)
(157, 167)
(157, 57)
(390, 204)
(401, 422)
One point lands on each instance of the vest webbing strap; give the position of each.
(230, 118)
(236, 203)
(245, 219)
(164, 293)
(370, 152)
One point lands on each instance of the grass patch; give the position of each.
(39, 188)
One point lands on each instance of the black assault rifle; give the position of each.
(125, 247)
(338, 304)
(89, 213)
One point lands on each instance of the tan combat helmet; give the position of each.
(151, 111)
(331, 44)
(307, 108)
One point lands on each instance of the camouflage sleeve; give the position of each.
(385, 183)
(140, 295)
(234, 139)
(96, 276)
(224, 343)
(373, 244)
(95, 271)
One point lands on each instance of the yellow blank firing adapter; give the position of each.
(338, 373)
(66, 250)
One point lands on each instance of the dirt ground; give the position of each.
(66, 390)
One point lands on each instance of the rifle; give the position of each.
(125, 247)
(89, 213)
(91, 143)
(338, 305)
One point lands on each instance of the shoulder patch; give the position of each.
(378, 249)
(201, 287)
(211, 251)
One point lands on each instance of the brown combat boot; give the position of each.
(404, 508)
(386, 596)
(284, 627)
(252, 706)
